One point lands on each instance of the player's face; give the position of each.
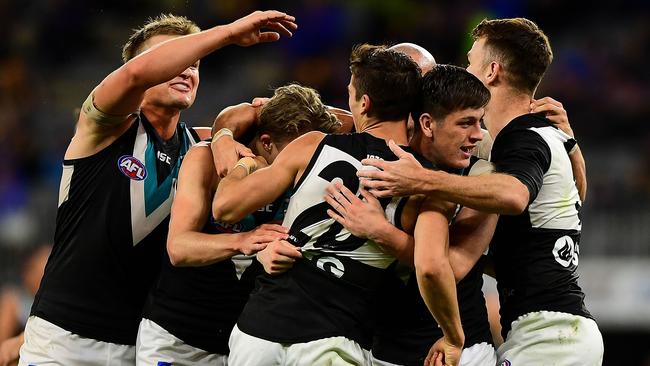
(354, 104)
(179, 92)
(455, 137)
(476, 58)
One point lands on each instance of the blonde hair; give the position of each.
(294, 110)
(164, 24)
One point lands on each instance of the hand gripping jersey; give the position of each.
(329, 291)
(200, 305)
(536, 252)
(405, 327)
(111, 229)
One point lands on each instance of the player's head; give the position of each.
(292, 111)
(510, 52)
(450, 112)
(424, 60)
(384, 84)
(179, 92)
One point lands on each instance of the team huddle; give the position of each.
(295, 233)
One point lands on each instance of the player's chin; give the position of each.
(182, 103)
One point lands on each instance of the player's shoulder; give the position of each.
(198, 152)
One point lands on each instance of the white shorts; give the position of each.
(156, 345)
(547, 337)
(480, 354)
(246, 350)
(47, 344)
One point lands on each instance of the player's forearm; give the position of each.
(495, 193)
(193, 249)
(239, 119)
(168, 59)
(438, 289)
(579, 172)
(395, 242)
(226, 204)
(469, 237)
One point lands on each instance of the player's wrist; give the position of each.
(221, 133)
(247, 163)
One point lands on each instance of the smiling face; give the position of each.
(453, 139)
(179, 92)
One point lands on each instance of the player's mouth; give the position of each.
(181, 86)
(467, 150)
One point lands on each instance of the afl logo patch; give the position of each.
(506, 363)
(132, 167)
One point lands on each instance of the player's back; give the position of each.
(329, 291)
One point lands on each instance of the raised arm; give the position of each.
(235, 122)
(241, 193)
(186, 244)
(119, 95)
(435, 276)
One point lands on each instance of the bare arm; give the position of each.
(120, 93)
(579, 172)
(243, 118)
(366, 219)
(469, 236)
(226, 150)
(239, 194)
(433, 270)
(555, 112)
(497, 193)
(186, 244)
(8, 313)
(10, 350)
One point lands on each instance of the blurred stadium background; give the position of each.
(53, 52)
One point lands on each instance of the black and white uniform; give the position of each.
(406, 329)
(191, 311)
(111, 229)
(536, 253)
(322, 307)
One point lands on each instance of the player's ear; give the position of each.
(266, 142)
(366, 104)
(425, 124)
(493, 73)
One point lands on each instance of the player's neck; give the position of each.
(163, 120)
(387, 130)
(505, 105)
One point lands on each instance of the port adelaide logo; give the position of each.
(132, 167)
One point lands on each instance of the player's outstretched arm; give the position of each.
(435, 276)
(10, 350)
(498, 193)
(186, 244)
(121, 92)
(245, 189)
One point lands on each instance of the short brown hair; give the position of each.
(294, 110)
(391, 80)
(164, 24)
(520, 46)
